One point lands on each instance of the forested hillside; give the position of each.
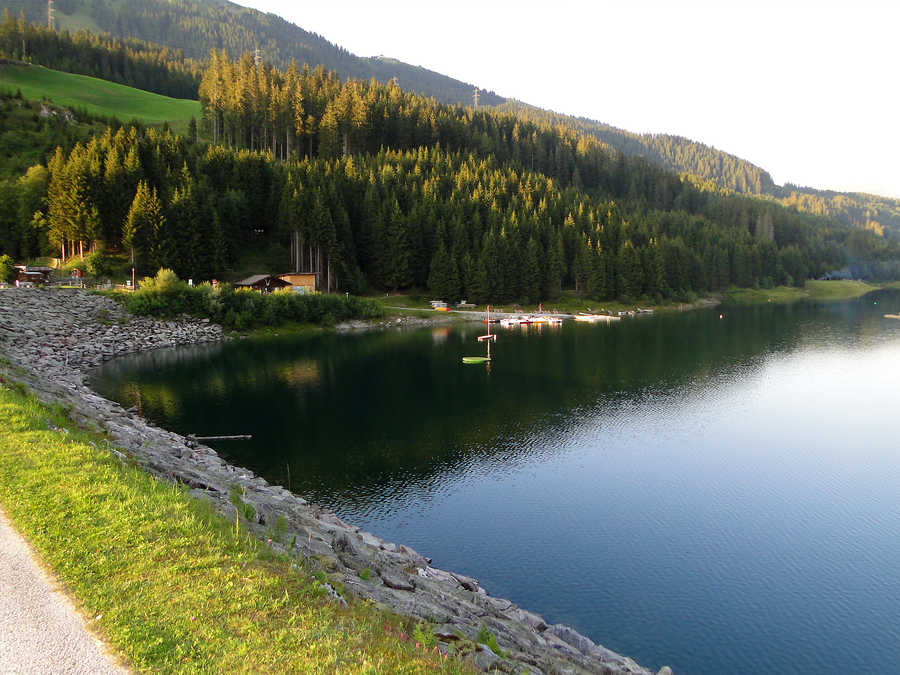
(458, 223)
(197, 26)
(372, 186)
(682, 155)
(125, 61)
(474, 203)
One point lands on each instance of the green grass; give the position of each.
(838, 290)
(812, 290)
(171, 586)
(98, 96)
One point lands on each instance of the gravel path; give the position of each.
(40, 629)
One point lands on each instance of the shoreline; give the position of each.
(55, 336)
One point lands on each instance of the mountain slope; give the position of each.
(198, 26)
(727, 171)
(98, 97)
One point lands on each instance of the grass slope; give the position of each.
(812, 290)
(169, 584)
(98, 96)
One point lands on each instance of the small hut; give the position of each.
(34, 274)
(264, 283)
(301, 282)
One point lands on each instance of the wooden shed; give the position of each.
(302, 282)
(264, 283)
(37, 275)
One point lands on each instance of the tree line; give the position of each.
(124, 60)
(457, 223)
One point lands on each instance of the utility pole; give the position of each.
(51, 15)
(475, 96)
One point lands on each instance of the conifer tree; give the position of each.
(143, 220)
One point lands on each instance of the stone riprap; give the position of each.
(53, 337)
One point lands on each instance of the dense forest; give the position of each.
(707, 164)
(466, 202)
(374, 187)
(458, 223)
(126, 61)
(196, 27)
(675, 153)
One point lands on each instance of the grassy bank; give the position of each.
(99, 97)
(169, 584)
(812, 290)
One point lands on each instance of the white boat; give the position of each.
(594, 318)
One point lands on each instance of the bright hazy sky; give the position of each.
(807, 90)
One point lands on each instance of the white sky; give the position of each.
(807, 90)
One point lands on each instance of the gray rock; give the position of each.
(398, 582)
(484, 657)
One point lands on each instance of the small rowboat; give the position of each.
(588, 318)
(892, 316)
(476, 359)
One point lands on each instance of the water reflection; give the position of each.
(358, 416)
(724, 483)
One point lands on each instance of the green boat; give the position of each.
(476, 359)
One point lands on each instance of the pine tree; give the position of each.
(397, 270)
(531, 275)
(583, 265)
(443, 279)
(143, 220)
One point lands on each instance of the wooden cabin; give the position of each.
(301, 282)
(36, 275)
(264, 283)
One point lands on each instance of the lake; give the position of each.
(718, 491)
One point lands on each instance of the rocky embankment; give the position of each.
(52, 337)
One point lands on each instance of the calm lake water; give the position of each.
(721, 495)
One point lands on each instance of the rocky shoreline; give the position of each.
(53, 337)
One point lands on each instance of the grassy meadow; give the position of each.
(170, 585)
(812, 290)
(98, 96)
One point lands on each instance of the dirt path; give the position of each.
(40, 629)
